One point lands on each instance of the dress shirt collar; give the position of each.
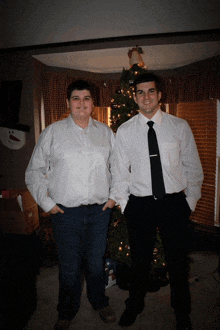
(157, 118)
(73, 124)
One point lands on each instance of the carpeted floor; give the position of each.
(29, 289)
(157, 315)
(204, 282)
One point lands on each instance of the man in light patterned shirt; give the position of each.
(69, 177)
(182, 176)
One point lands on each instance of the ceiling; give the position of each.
(112, 60)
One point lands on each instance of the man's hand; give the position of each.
(109, 204)
(56, 209)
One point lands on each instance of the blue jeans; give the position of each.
(81, 234)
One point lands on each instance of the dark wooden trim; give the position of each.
(123, 41)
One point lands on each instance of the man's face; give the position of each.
(80, 105)
(147, 98)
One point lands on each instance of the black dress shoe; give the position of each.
(129, 316)
(188, 327)
(183, 323)
(62, 324)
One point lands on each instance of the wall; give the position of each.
(217, 201)
(19, 66)
(45, 22)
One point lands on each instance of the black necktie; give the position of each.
(156, 169)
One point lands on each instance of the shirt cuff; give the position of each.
(47, 204)
(123, 204)
(192, 203)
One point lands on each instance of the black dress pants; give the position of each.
(171, 215)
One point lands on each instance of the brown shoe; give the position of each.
(62, 324)
(107, 314)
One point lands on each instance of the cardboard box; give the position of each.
(13, 219)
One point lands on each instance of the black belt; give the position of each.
(169, 196)
(89, 205)
(164, 198)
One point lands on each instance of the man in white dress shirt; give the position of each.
(182, 176)
(69, 177)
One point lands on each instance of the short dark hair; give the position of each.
(78, 85)
(146, 77)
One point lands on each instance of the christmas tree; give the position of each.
(123, 108)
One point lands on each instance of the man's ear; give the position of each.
(159, 96)
(135, 99)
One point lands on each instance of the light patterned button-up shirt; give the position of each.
(181, 165)
(71, 165)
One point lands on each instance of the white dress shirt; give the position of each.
(181, 165)
(71, 165)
